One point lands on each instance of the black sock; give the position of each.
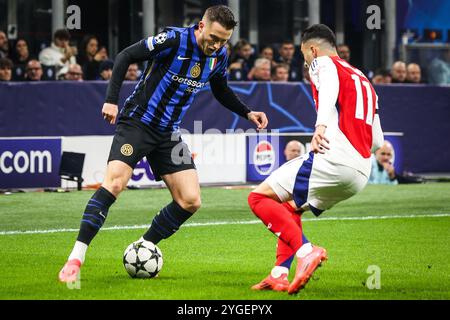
(95, 214)
(167, 222)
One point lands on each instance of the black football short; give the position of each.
(165, 151)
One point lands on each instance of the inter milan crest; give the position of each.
(196, 70)
(126, 150)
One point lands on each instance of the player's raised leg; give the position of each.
(265, 204)
(292, 180)
(277, 279)
(117, 176)
(185, 190)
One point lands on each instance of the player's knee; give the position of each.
(190, 203)
(253, 199)
(115, 186)
(250, 200)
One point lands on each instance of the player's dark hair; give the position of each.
(319, 31)
(221, 14)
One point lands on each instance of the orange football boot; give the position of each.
(70, 271)
(306, 267)
(270, 283)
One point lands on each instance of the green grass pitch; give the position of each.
(222, 261)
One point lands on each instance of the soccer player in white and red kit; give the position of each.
(347, 131)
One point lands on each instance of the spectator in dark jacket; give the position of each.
(34, 71)
(398, 72)
(241, 61)
(20, 59)
(286, 55)
(413, 73)
(105, 70)
(90, 57)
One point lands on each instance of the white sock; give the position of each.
(304, 250)
(277, 271)
(79, 251)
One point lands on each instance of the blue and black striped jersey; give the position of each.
(176, 70)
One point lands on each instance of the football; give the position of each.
(142, 259)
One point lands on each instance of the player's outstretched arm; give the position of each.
(146, 49)
(327, 80)
(258, 118)
(135, 53)
(223, 93)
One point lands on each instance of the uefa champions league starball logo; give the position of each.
(161, 38)
(264, 158)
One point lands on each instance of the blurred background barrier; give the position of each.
(55, 109)
(219, 158)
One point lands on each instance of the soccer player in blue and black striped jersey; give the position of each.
(180, 61)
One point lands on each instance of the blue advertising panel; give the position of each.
(262, 167)
(263, 156)
(397, 158)
(30, 163)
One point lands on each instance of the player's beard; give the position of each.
(204, 47)
(208, 51)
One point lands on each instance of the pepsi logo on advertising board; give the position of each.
(264, 157)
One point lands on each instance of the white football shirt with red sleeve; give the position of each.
(346, 104)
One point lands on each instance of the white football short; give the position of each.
(315, 183)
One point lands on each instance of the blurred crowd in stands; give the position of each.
(90, 61)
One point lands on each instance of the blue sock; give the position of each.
(167, 222)
(95, 214)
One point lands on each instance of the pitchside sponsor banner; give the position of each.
(96, 150)
(219, 158)
(143, 175)
(263, 156)
(265, 153)
(289, 107)
(29, 163)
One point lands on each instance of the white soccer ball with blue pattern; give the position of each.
(142, 259)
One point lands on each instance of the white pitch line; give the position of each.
(220, 223)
